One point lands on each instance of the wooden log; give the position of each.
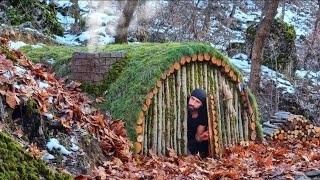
(267, 124)
(207, 56)
(183, 60)
(219, 62)
(193, 76)
(155, 124)
(185, 115)
(139, 129)
(140, 138)
(278, 121)
(150, 95)
(240, 121)
(176, 66)
(171, 70)
(271, 130)
(188, 59)
(226, 69)
(148, 102)
(146, 130)
(214, 60)
(155, 91)
(159, 133)
(194, 57)
(210, 126)
(267, 132)
(141, 114)
(205, 69)
(164, 122)
(174, 98)
(159, 84)
(138, 147)
(164, 75)
(144, 107)
(253, 135)
(246, 125)
(140, 121)
(168, 115)
(200, 57)
(281, 136)
(253, 126)
(280, 113)
(177, 122)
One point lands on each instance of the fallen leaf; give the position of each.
(269, 160)
(99, 99)
(33, 149)
(12, 100)
(18, 132)
(1, 127)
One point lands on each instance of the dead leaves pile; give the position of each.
(65, 103)
(250, 160)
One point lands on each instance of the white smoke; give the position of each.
(103, 17)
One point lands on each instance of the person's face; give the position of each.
(194, 104)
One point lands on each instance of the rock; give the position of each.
(313, 173)
(281, 39)
(301, 177)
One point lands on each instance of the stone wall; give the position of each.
(91, 67)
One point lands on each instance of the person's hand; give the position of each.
(203, 137)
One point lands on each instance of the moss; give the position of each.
(281, 50)
(58, 56)
(16, 164)
(254, 105)
(6, 51)
(19, 12)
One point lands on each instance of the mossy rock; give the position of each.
(280, 50)
(41, 16)
(17, 164)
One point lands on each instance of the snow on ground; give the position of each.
(102, 19)
(266, 73)
(54, 144)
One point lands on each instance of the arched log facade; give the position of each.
(161, 119)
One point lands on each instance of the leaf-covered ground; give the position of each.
(267, 160)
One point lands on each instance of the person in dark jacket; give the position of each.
(198, 134)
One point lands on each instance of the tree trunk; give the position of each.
(124, 22)
(314, 36)
(283, 10)
(207, 21)
(258, 44)
(234, 7)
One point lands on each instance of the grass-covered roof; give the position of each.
(140, 71)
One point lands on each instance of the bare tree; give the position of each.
(270, 11)
(283, 10)
(314, 38)
(207, 19)
(124, 22)
(234, 7)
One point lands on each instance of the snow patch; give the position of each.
(16, 45)
(47, 156)
(43, 85)
(54, 144)
(49, 116)
(7, 74)
(19, 70)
